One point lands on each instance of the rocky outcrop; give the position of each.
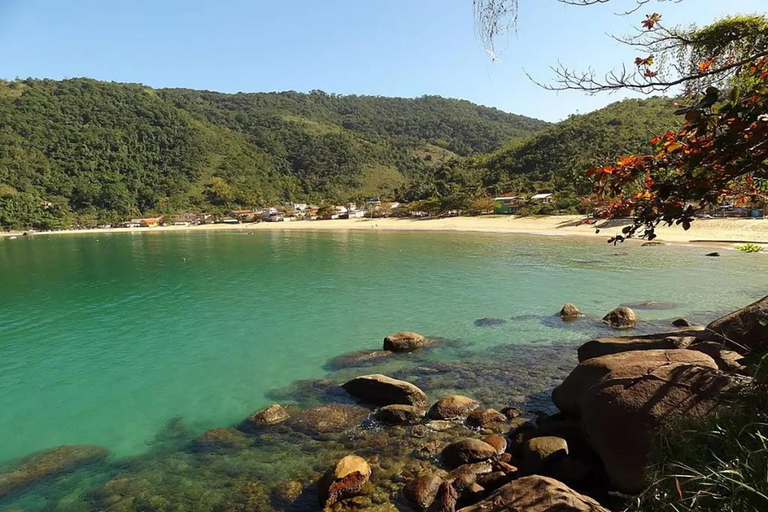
(405, 342)
(422, 491)
(327, 419)
(568, 395)
(272, 415)
(467, 451)
(47, 463)
(570, 312)
(536, 494)
(399, 414)
(540, 451)
(744, 330)
(345, 479)
(453, 407)
(621, 318)
(727, 360)
(621, 414)
(612, 345)
(382, 390)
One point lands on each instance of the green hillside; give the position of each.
(84, 152)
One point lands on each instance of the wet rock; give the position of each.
(568, 395)
(681, 322)
(571, 470)
(467, 451)
(744, 330)
(649, 305)
(570, 312)
(652, 244)
(47, 463)
(541, 451)
(519, 437)
(511, 412)
(405, 342)
(494, 480)
(615, 344)
(446, 499)
(399, 414)
(272, 415)
(382, 390)
(621, 318)
(621, 413)
(497, 441)
(358, 359)
(429, 449)
(489, 322)
(221, 438)
(727, 360)
(713, 255)
(328, 419)
(536, 494)
(568, 428)
(422, 491)
(288, 492)
(485, 418)
(345, 479)
(311, 392)
(472, 493)
(453, 407)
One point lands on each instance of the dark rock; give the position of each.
(621, 318)
(536, 494)
(467, 451)
(621, 413)
(540, 451)
(221, 438)
(422, 491)
(744, 330)
(272, 415)
(494, 480)
(358, 359)
(489, 322)
(328, 419)
(446, 499)
(615, 344)
(727, 360)
(571, 470)
(405, 342)
(472, 493)
(681, 322)
(519, 437)
(453, 407)
(511, 412)
(713, 255)
(568, 395)
(497, 441)
(652, 244)
(485, 418)
(570, 312)
(345, 479)
(47, 463)
(399, 414)
(382, 390)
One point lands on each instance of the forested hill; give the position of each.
(83, 151)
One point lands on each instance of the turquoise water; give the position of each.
(104, 339)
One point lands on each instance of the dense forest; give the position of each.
(84, 152)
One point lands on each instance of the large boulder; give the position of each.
(727, 360)
(467, 451)
(405, 342)
(744, 330)
(422, 491)
(345, 479)
(536, 494)
(568, 395)
(621, 318)
(327, 419)
(453, 407)
(382, 390)
(570, 312)
(272, 415)
(399, 414)
(621, 414)
(614, 344)
(47, 463)
(540, 451)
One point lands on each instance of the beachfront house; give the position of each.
(151, 222)
(543, 198)
(508, 205)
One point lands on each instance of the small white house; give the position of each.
(543, 198)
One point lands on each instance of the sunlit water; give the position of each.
(104, 339)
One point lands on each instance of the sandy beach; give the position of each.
(703, 231)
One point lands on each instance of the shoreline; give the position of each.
(710, 232)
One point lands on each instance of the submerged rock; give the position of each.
(220, 438)
(358, 359)
(271, 415)
(328, 418)
(467, 451)
(681, 322)
(713, 255)
(47, 463)
(399, 414)
(453, 407)
(621, 318)
(744, 330)
(422, 491)
(405, 342)
(345, 479)
(382, 390)
(488, 322)
(570, 312)
(485, 418)
(650, 305)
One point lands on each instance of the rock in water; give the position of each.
(399, 414)
(422, 491)
(621, 413)
(713, 255)
(568, 395)
(327, 419)
(497, 441)
(271, 415)
(681, 322)
(358, 359)
(744, 330)
(570, 312)
(467, 451)
(220, 438)
(446, 499)
(615, 344)
(453, 407)
(343, 480)
(485, 418)
(405, 342)
(621, 318)
(382, 390)
(48, 463)
(536, 494)
(488, 322)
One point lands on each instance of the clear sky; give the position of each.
(380, 47)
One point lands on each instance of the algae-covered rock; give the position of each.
(345, 479)
(405, 342)
(467, 451)
(382, 390)
(272, 415)
(220, 438)
(453, 407)
(328, 418)
(399, 414)
(621, 318)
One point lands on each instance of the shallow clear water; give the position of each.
(104, 339)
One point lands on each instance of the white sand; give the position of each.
(715, 231)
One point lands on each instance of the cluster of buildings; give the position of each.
(511, 204)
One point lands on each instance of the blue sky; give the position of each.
(380, 47)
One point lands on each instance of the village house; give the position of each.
(151, 222)
(508, 205)
(543, 198)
